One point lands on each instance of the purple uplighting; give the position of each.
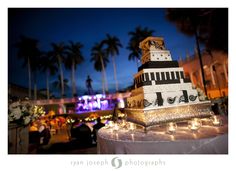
(89, 103)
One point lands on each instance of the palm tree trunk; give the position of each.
(72, 82)
(35, 90)
(61, 75)
(29, 75)
(103, 85)
(35, 85)
(104, 73)
(114, 67)
(105, 80)
(73, 78)
(47, 82)
(200, 59)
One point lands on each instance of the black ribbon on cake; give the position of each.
(159, 64)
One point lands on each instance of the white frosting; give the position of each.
(172, 94)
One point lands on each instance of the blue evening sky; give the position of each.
(88, 26)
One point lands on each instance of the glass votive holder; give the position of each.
(216, 121)
(123, 123)
(115, 127)
(132, 136)
(194, 124)
(106, 126)
(111, 124)
(171, 128)
(131, 127)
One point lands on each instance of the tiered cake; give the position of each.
(162, 93)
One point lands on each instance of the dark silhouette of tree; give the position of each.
(209, 26)
(58, 53)
(49, 67)
(112, 48)
(35, 67)
(206, 23)
(74, 57)
(100, 59)
(192, 23)
(28, 51)
(136, 37)
(58, 84)
(217, 30)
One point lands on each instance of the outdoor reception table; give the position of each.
(207, 140)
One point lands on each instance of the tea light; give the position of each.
(116, 127)
(123, 123)
(111, 124)
(132, 126)
(216, 121)
(132, 137)
(106, 126)
(194, 124)
(171, 128)
(117, 136)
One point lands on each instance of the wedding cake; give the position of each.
(162, 92)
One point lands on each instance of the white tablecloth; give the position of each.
(207, 140)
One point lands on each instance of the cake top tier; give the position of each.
(153, 49)
(152, 43)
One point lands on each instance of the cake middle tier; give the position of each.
(160, 76)
(151, 99)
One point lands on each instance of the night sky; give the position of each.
(88, 26)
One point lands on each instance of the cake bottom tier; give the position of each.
(151, 117)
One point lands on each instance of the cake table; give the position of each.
(208, 139)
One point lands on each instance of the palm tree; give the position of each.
(27, 50)
(217, 23)
(136, 37)
(58, 55)
(99, 56)
(134, 55)
(49, 67)
(35, 66)
(74, 57)
(192, 22)
(112, 49)
(58, 83)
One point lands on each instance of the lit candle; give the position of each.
(171, 128)
(116, 127)
(117, 136)
(123, 123)
(132, 137)
(194, 124)
(106, 126)
(111, 124)
(131, 126)
(216, 121)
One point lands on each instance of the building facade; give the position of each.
(20, 92)
(215, 64)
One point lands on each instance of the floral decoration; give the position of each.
(23, 113)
